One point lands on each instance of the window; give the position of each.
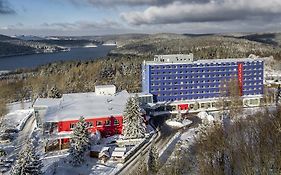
(72, 125)
(99, 123)
(89, 124)
(116, 122)
(107, 123)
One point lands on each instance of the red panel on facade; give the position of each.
(183, 106)
(107, 126)
(240, 77)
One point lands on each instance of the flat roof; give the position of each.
(88, 105)
(45, 102)
(105, 86)
(205, 61)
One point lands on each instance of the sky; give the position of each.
(102, 17)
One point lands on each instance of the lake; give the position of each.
(32, 61)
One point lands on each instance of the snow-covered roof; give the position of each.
(88, 105)
(118, 152)
(105, 86)
(120, 149)
(45, 102)
(141, 94)
(207, 61)
(104, 153)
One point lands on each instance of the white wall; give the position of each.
(105, 90)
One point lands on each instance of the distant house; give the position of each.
(118, 154)
(104, 156)
(97, 151)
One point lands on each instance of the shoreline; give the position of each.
(33, 53)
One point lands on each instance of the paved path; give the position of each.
(165, 134)
(24, 134)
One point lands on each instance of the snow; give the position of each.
(189, 135)
(91, 166)
(133, 124)
(17, 118)
(19, 105)
(205, 116)
(178, 124)
(91, 46)
(117, 154)
(4, 72)
(19, 113)
(219, 61)
(88, 105)
(47, 102)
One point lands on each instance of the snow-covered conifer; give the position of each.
(153, 160)
(28, 162)
(133, 122)
(80, 142)
(54, 93)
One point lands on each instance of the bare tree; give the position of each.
(231, 101)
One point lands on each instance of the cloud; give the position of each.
(103, 27)
(83, 25)
(111, 3)
(5, 8)
(205, 11)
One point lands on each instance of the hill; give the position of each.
(10, 46)
(206, 46)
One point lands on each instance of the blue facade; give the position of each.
(199, 79)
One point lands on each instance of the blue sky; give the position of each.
(99, 17)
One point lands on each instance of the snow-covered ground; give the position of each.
(19, 105)
(188, 135)
(177, 124)
(17, 115)
(59, 164)
(17, 119)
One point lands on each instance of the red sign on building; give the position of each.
(240, 77)
(183, 106)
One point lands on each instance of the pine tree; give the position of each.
(153, 160)
(80, 142)
(133, 122)
(28, 162)
(54, 93)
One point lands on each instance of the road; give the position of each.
(164, 136)
(24, 134)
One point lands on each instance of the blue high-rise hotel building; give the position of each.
(181, 78)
